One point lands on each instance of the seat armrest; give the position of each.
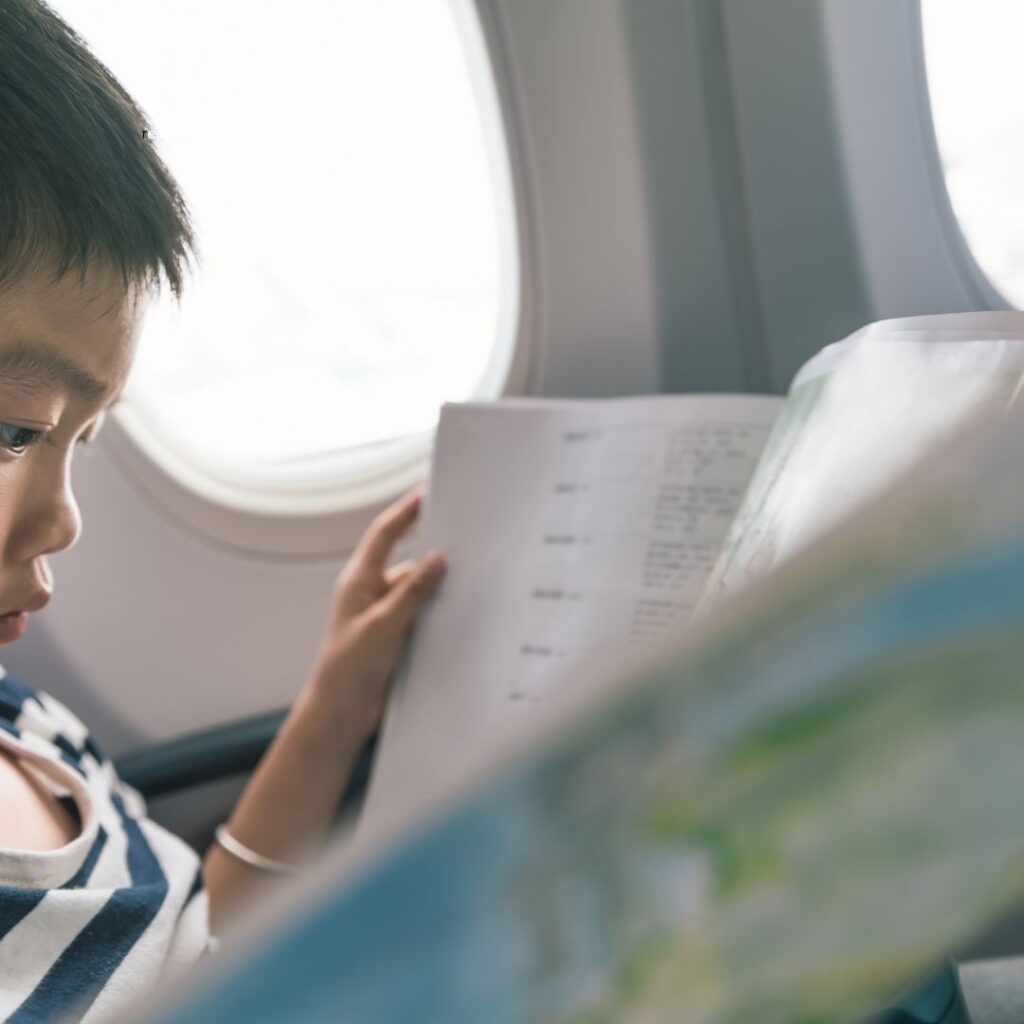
(219, 752)
(198, 757)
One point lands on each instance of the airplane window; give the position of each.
(336, 160)
(975, 81)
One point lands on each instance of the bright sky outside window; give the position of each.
(332, 154)
(976, 80)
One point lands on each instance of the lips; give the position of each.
(33, 603)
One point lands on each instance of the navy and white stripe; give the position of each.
(87, 929)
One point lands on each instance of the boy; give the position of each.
(97, 901)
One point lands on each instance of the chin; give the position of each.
(13, 627)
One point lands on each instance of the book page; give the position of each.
(856, 417)
(573, 530)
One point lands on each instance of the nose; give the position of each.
(67, 524)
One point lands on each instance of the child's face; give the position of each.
(88, 331)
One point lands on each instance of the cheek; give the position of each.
(24, 491)
(11, 486)
(10, 502)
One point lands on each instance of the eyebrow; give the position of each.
(36, 368)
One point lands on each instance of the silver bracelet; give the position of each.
(250, 857)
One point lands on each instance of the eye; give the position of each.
(16, 439)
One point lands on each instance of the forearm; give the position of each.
(290, 802)
(294, 794)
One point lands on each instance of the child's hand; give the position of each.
(374, 611)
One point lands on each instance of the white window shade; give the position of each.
(356, 262)
(976, 79)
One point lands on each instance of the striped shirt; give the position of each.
(87, 928)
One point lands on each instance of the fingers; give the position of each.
(396, 572)
(401, 604)
(374, 550)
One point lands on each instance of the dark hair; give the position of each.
(80, 180)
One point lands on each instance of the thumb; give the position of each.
(401, 604)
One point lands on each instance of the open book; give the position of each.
(783, 813)
(582, 535)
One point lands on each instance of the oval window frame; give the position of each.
(325, 514)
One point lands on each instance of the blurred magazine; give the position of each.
(786, 814)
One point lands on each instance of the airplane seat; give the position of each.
(981, 992)
(994, 990)
(191, 783)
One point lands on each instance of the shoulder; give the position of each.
(40, 720)
(31, 818)
(32, 815)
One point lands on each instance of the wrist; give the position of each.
(323, 712)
